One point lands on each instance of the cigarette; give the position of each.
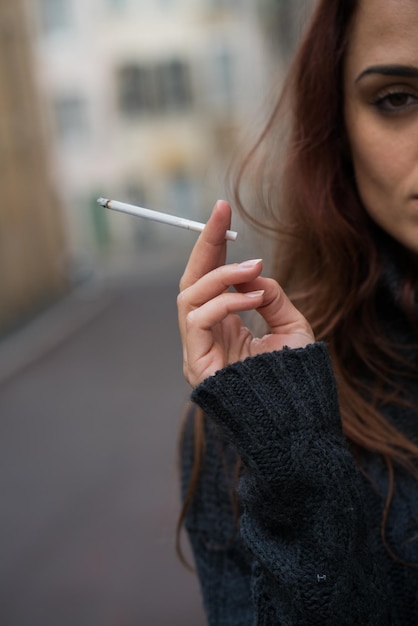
(156, 216)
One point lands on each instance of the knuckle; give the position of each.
(273, 285)
(222, 301)
(181, 299)
(191, 318)
(225, 300)
(182, 283)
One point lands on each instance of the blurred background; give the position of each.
(143, 101)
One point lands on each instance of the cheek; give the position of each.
(376, 161)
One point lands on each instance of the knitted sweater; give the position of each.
(307, 549)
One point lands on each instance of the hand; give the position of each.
(211, 330)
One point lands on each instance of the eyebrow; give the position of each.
(408, 71)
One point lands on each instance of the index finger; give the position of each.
(209, 251)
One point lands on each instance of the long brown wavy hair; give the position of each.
(324, 250)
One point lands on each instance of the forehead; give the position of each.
(384, 31)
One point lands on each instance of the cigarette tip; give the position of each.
(102, 201)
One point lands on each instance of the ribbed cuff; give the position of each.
(273, 404)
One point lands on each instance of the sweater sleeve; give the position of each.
(221, 559)
(301, 493)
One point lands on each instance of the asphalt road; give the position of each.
(88, 478)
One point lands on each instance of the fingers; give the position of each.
(275, 307)
(217, 309)
(215, 283)
(210, 249)
(203, 346)
(212, 333)
(281, 316)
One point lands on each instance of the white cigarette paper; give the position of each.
(156, 216)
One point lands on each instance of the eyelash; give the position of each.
(381, 102)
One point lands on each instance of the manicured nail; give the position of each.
(254, 294)
(218, 202)
(250, 263)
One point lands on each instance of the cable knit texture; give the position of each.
(307, 547)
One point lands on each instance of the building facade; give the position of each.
(145, 101)
(32, 243)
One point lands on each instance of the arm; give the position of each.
(303, 511)
(212, 525)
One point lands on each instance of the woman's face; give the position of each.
(381, 113)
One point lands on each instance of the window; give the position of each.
(183, 192)
(166, 4)
(71, 119)
(156, 88)
(283, 22)
(223, 4)
(224, 74)
(117, 5)
(136, 90)
(174, 85)
(56, 16)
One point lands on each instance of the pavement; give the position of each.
(91, 395)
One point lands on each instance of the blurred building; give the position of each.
(145, 100)
(283, 22)
(32, 268)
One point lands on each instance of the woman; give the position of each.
(316, 421)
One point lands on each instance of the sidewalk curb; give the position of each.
(45, 332)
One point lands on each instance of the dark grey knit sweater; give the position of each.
(308, 548)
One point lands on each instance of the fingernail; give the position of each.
(250, 263)
(254, 294)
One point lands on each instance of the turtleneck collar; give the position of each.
(398, 286)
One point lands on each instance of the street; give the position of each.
(88, 466)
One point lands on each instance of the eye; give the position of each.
(395, 101)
